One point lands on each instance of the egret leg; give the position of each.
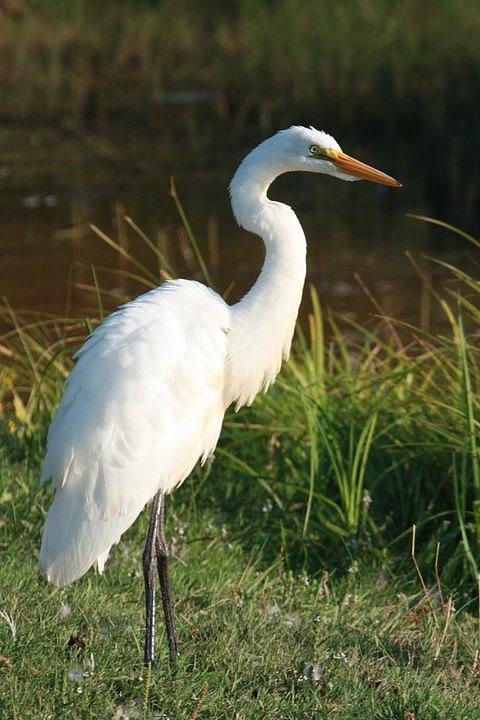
(162, 566)
(149, 558)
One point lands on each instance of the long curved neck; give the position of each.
(263, 322)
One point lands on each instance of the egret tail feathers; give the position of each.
(72, 542)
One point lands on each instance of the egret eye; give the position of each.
(314, 149)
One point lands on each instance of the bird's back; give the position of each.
(143, 403)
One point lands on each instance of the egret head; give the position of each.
(311, 150)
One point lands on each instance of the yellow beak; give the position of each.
(359, 169)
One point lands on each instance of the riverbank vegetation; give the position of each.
(369, 429)
(249, 61)
(340, 517)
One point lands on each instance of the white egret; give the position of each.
(147, 396)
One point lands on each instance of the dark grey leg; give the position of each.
(149, 558)
(162, 566)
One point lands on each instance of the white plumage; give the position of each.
(146, 398)
(142, 404)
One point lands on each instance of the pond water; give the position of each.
(53, 184)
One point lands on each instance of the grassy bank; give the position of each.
(368, 431)
(258, 640)
(247, 60)
(296, 587)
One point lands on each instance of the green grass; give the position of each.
(296, 589)
(259, 641)
(255, 60)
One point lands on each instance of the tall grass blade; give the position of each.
(471, 427)
(165, 267)
(191, 237)
(98, 294)
(447, 226)
(122, 251)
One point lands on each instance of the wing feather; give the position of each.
(143, 403)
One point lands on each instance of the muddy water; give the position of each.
(53, 185)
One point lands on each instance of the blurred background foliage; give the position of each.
(101, 102)
(252, 60)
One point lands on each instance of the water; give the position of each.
(52, 186)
